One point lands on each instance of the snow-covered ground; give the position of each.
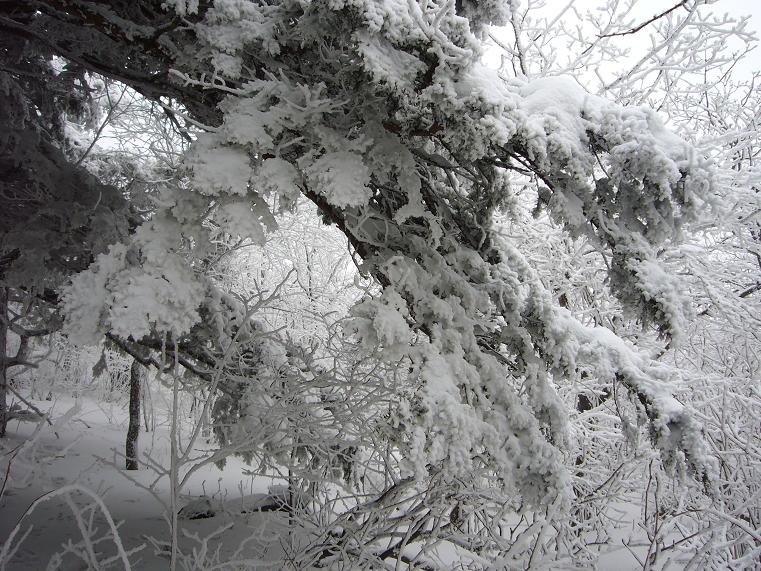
(83, 448)
(82, 452)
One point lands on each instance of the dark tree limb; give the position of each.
(647, 22)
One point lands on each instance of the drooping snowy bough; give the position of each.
(380, 113)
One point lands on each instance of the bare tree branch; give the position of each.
(647, 22)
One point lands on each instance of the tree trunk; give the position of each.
(3, 359)
(133, 431)
(147, 405)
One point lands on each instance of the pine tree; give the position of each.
(381, 115)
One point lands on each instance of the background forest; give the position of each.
(379, 285)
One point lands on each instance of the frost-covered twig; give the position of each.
(8, 546)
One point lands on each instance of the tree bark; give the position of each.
(133, 431)
(3, 362)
